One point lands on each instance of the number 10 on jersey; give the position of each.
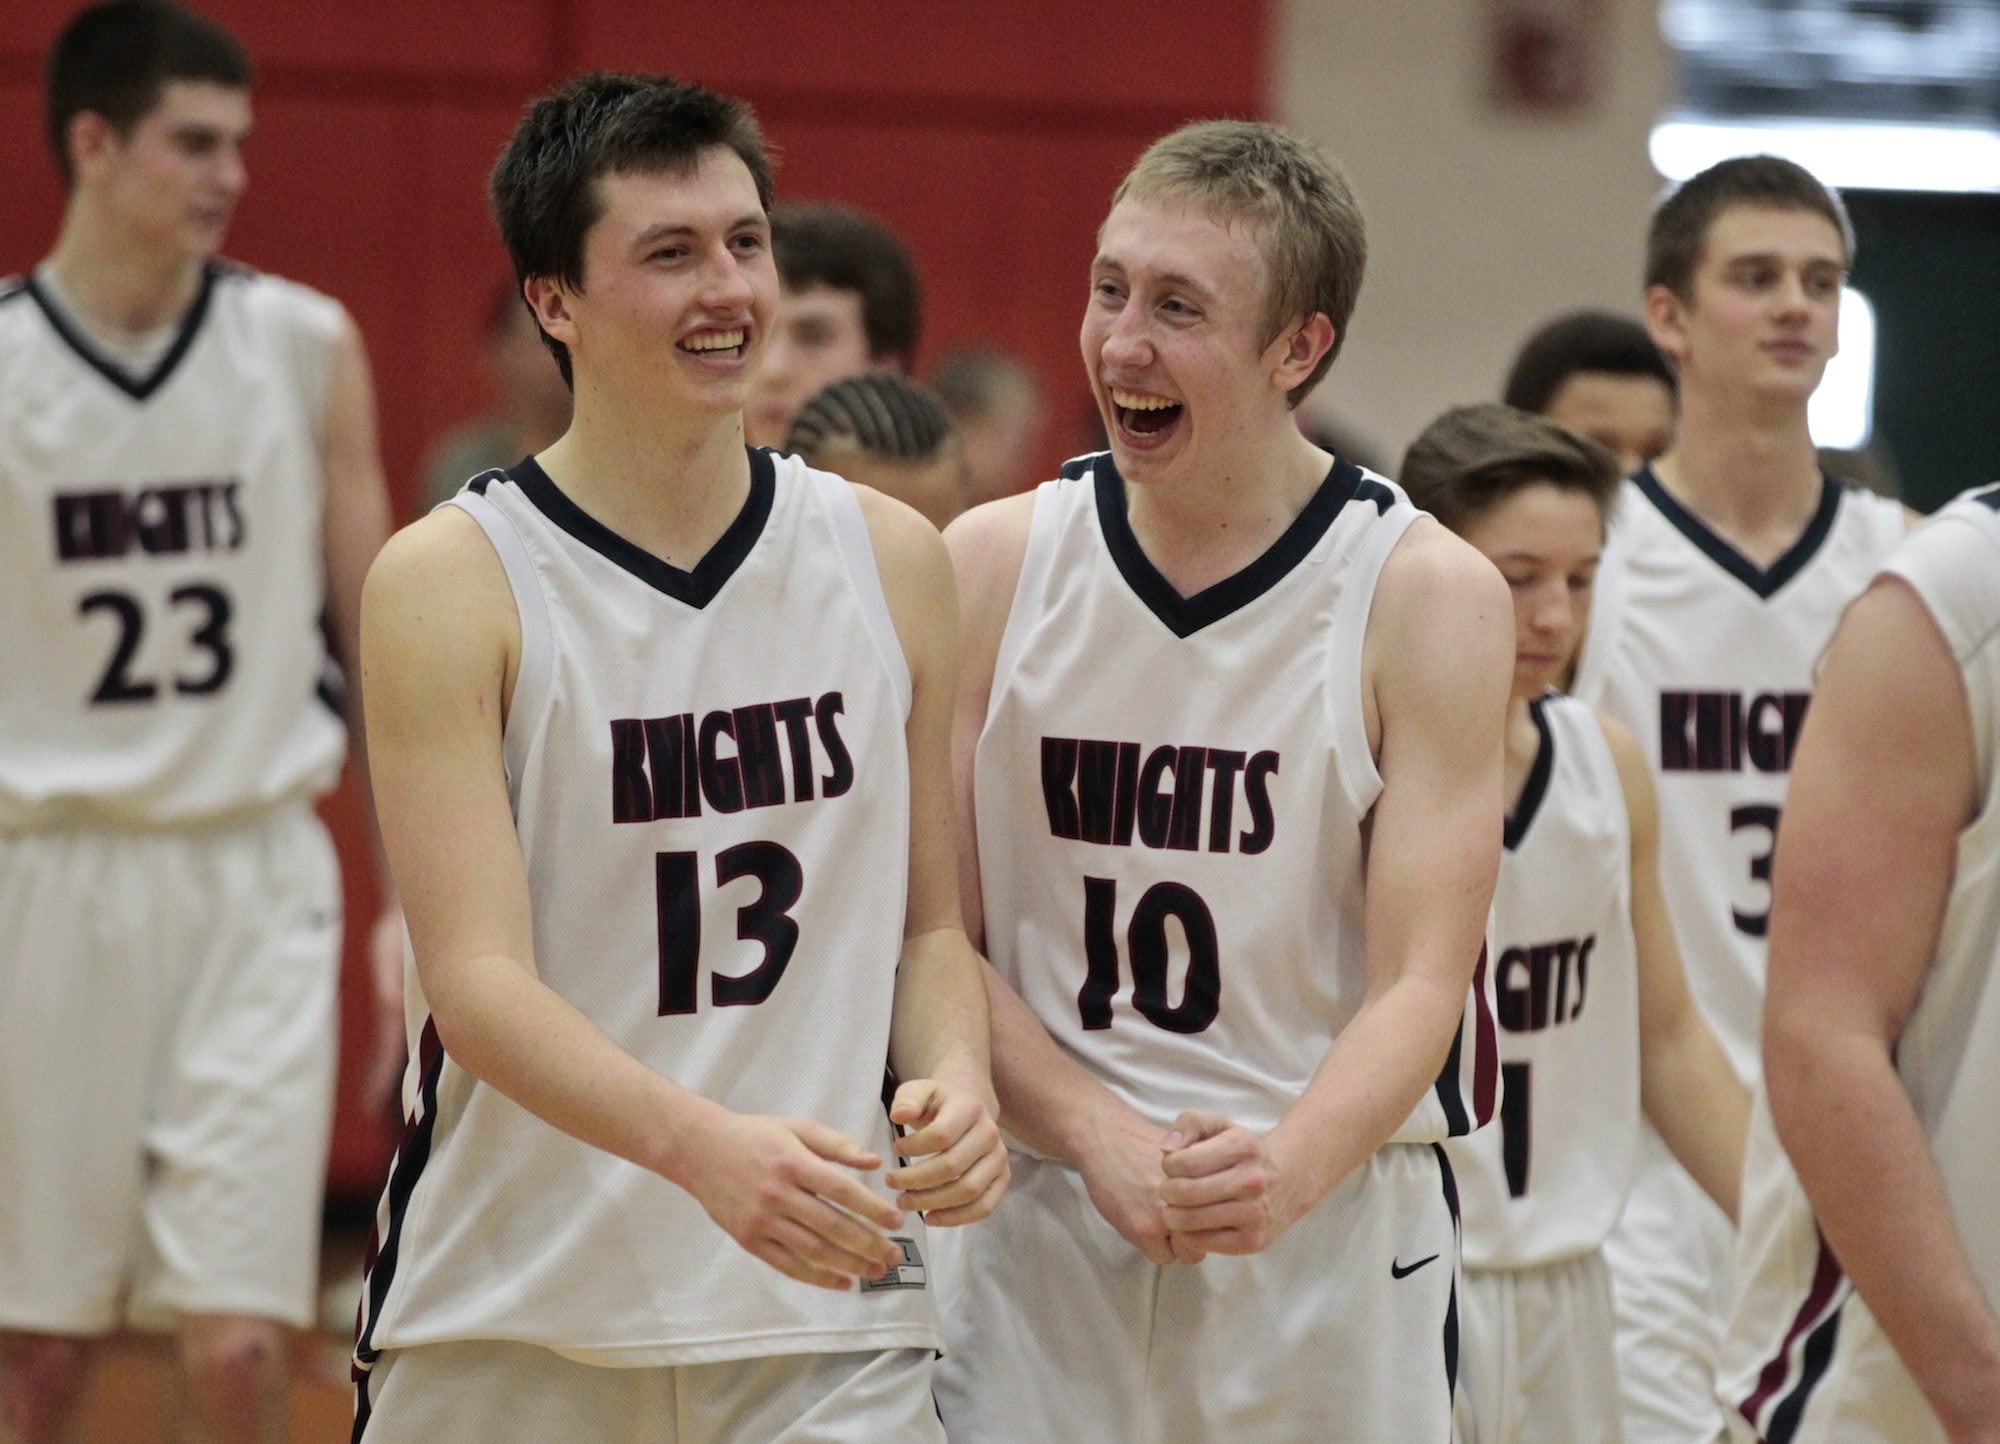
(1146, 944)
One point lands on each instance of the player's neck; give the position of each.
(119, 287)
(667, 486)
(1748, 471)
(1205, 525)
(1524, 742)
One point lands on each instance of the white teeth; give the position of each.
(714, 341)
(1132, 401)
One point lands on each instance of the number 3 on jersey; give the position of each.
(766, 921)
(1146, 943)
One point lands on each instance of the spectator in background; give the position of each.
(888, 432)
(1000, 411)
(531, 403)
(848, 303)
(1601, 376)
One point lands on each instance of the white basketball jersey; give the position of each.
(709, 777)
(1549, 1181)
(1170, 795)
(1804, 1358)
(161, 564)
(1710, 661)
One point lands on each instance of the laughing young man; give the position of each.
(1230, 729)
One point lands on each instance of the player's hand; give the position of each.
(382, 1083)
(1225, 1189)
(1122, 1176)
(961, 1168)
(787, 1190)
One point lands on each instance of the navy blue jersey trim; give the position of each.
(1451, 1308)
(697, 588)
(1184, 616)
(1989, 498)
(12, 288)
(136, 387)
(1537, 786)
(362, 1407)
(1813, 1366)
(1457, 1123)
(1766, 581)
(411, 1157)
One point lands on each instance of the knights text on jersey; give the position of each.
(1549, 1181)
(1169, 798)
(1709, 659)
(709, 778)
(1804, 1359)
(161, 563)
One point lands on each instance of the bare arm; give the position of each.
(1438, 662)
(354, 524)
(938, 1043)
(1690, 1093)
(1881, 787)
(1049, 1101)
(440, 641)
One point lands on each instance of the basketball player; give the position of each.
(1729, 563)
(1204, 665)
(848, 303)
(888, 432)
(1594, 1011)
(1602, 377)
(664, 731)
(1865, 1310)
(188, 486)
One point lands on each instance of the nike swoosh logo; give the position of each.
(1398, 1271)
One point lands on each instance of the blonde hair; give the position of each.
(1313, 238)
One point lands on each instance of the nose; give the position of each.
(231, 174)
(726, 284)
(1555, 610)
(1126, 341)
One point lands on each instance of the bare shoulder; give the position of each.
(440, 572)
(909, 553)
(1435, 585)
(987, 546)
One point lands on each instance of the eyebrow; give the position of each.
(665, 230)
(1173, 280)
(1773, 258)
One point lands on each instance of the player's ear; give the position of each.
(1299, 348)
(89, 139)
(1666, 320)
(549, 299)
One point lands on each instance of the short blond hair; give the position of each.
(1313, 237)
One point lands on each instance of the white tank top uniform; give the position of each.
(161, 561)
(167, 715)
(1709, 659)
(708, 773)
(1170, 799)
(1544, 1187)
(1804, 1361)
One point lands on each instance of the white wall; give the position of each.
(1482, 223)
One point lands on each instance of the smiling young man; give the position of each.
(1228, 754)
(1729, 564)
(189, 498)
(664, 761)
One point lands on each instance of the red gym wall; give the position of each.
(988, 134)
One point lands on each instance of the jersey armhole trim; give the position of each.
(864, 574)
(1360, 779)
(1037, 558)
(531, 683)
